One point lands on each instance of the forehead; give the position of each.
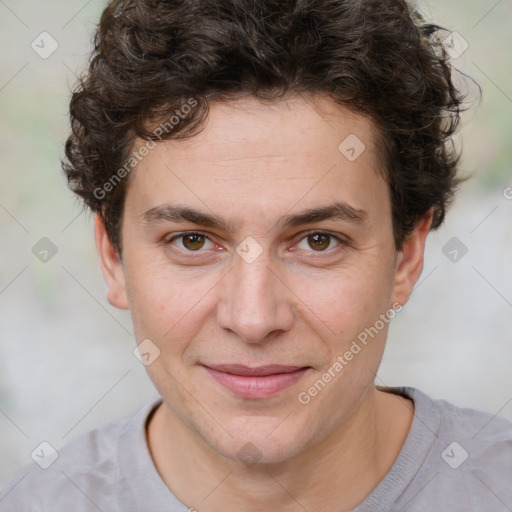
(264, 157)
(248, 127)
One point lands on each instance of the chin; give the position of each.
(261, 440)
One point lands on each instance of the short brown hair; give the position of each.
(377, 57)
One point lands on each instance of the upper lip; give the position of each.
(256, 371)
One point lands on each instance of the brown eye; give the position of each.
(190, 242)
(193, 242)
(319, 242)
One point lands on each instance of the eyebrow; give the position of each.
(339, 210)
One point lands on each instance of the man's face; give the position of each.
(254, 290)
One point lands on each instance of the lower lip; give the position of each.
(256, 387)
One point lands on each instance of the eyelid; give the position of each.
(338, 236)
(342, 240)
(168, 240)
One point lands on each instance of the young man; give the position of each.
(264, 176)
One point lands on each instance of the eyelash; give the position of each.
(341, 241)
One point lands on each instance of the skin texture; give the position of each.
(301, 302)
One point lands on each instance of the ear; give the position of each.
(409, 262)
(111, 266)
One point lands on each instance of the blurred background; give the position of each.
(66, 356)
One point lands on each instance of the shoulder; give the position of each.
(488, 436)
(471, 452)
(481, 443)
(480, 427)
(78, 477)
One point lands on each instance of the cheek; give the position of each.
(167, 305)
(341, 304)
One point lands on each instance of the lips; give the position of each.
(258, 371)
(256, 382)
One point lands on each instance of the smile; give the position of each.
(258, 382)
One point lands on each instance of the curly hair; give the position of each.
(378, 58)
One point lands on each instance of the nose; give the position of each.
(255, 303)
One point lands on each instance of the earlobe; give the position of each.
(409, 261)
(111, 266)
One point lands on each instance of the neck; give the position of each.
(338, 472)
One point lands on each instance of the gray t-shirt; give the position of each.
(453, 460)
